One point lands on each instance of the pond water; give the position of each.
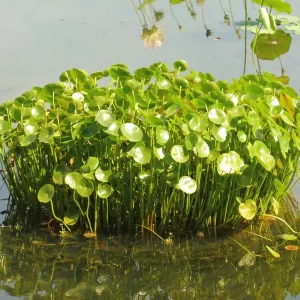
(43, 266)
(39, 40)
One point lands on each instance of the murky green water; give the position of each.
(42, 266)
(39, 40)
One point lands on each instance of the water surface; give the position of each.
(39, 40)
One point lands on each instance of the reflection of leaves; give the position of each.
(158, 15)
(271, 46)
(248, 23)
(176, 1)
(247, 260)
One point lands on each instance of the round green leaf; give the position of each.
(162, 135)
(4, 126)
(261, 151)
(53, 89)
(30, 129)
(181, 83)
(59, 173)
(103, 175)
(219, 133)
(119, 72)
(248, 209)
(271, 46)
(143, 74)
(217, 116)
(179, 154)
(46, 193)
(187, 185)
(201, 148)
(88, 130)
(229, 163)
(46, 134)
(142, 155)
(38, 112)
(242, 136)
(85, 187)
(247, 177)
(132, 132)
(105, 118)
(73, 179)
(159, 153)
(180, 65)
(198, 123)
(253, 118)
(77, 96)
(104, 190)
(114, 128)
(93, 163)
(27, 140)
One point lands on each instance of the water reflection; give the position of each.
(50, 267)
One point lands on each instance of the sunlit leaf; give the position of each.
(229, 163)
(105, 118)
(59, 173)
(85, 187)
(201, 148)
(274, 253)
(217, 116)
(162, 135)
(46, 193)
(103, 175)
(219, 133)
(132, 132)
(142, 155)
(73, 179)
(179, 154)
(288, 237)
(248, 209)
(275, 205)
(104, 190)
(187, 185)
(287, 102)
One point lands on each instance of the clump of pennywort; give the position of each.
(153, 148)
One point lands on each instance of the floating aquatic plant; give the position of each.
(154, 148)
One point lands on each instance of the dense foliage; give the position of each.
(152, 148)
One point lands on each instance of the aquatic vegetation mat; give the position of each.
(158, 148)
